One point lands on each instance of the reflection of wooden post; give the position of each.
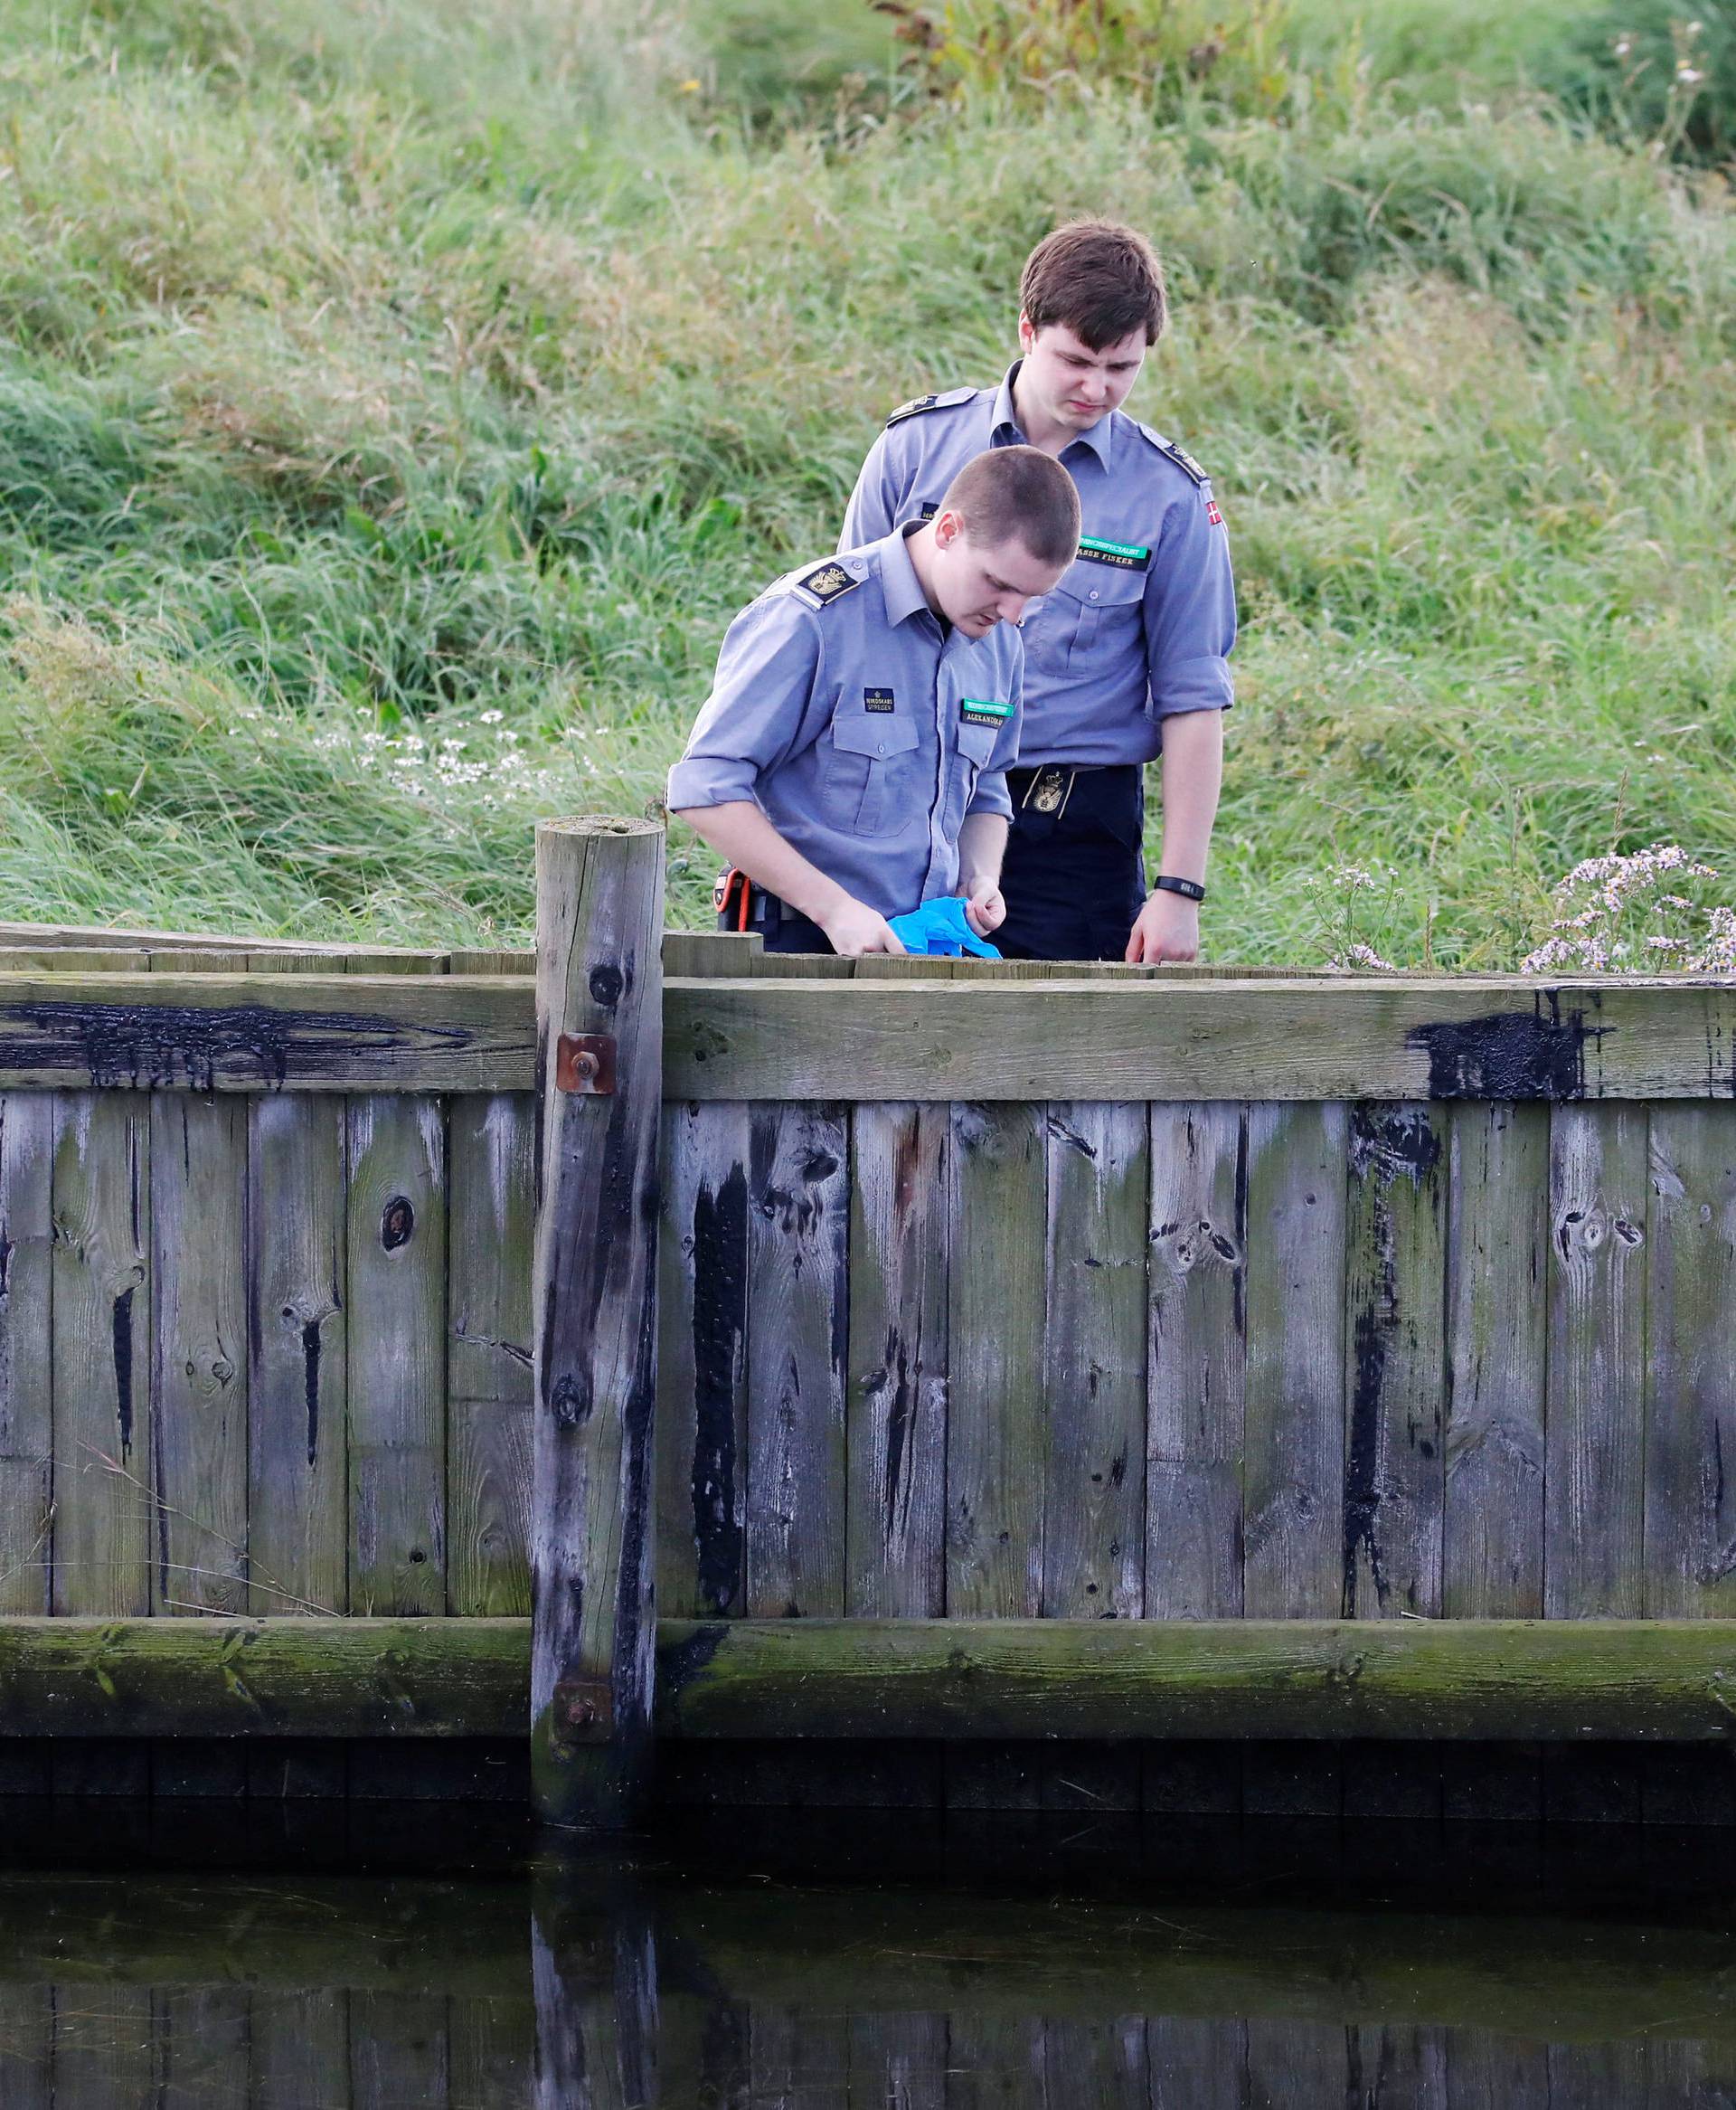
(600, 1082)
(594, 1969)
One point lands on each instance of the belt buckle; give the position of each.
(1047, 791)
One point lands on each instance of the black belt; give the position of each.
(1046, 787)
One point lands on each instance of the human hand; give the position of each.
(985, 905)
(854, 929)
(1168, 929)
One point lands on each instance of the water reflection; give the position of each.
(1231, 1967)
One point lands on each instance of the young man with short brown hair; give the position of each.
(1128, 658)
(851, 762)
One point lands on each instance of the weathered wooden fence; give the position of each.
(1302, 1335)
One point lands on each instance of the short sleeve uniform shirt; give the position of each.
(1141, 625)
(865, 728)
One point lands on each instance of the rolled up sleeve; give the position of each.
(757, 714)
(1191, 612)
(873, 510)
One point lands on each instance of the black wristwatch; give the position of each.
(1189, 889)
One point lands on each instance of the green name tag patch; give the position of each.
(1125, 557)
(974, 710)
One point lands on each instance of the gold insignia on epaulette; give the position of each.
(908, 410)
(827, 581)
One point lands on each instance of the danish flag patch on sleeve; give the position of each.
(1212, 513)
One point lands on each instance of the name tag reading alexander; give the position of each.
(972, 712)
(1125, 557)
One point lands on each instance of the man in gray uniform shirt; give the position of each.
(1127, 658)
(850, 762)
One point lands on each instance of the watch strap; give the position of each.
(1189, 889)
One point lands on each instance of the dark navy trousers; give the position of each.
(1074, 876)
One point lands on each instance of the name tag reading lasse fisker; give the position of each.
(1125, 557)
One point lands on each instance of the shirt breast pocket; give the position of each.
(1099, 608)
(976, 748)
(866, 771)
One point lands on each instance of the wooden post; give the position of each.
(600, 1083)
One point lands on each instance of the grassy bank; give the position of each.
(401, 397)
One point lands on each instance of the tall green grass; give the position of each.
(382, 374)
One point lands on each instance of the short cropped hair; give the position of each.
(1017, 491)
(1098, 279)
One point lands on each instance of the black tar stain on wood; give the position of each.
(1387, 1144)
(123, 1340)
(310, 1384)
(141, 1045)
(681, 1661)
(397, 1223)
(720, 1275)
(5, 1264)
(1508, 1054)
(605, 984)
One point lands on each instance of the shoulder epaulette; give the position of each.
(919, 404)
(824, 583)
(1183, 460)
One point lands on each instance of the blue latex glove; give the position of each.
(941, 929)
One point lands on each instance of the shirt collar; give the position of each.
(898, 579)
(1006, 420)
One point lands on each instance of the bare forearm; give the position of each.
(1193, 778)
(741, 833)
(982, 844)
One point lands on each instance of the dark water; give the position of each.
(418, 1955)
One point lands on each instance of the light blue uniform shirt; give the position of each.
(1142, 624)
(863, 728)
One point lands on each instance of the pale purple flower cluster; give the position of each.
(1589, 934)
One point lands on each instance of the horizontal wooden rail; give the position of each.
(984, 1679)
(265, 1678)
(758, 1038)
(1462, 1679)
(266, 1032)
(1270, 1040)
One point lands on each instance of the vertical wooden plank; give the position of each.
(1485, 2071)
(492, 1204)
(1293, 1478)
(398, 2051)
(1690, 1370)
(492, 2051)
(995, 1419)
(995, 2061)
(598, 979)
(1291, 2063)
(702, 1360)
(1096, 2065)
(1394, 2068)
(101, 1354)
(1197, 1381)
(1594, 1525)
(1590, 2077)
(26, 1334)
(199, 1432)
(797, 1339)
(397, 1246)
(899, 2060)
(897, 1445)
(800, 2057)
(297, 1335)
(1497, 1262)
(1196, 2064)
(200, 2041)
(27, 2046)
(1097, 1230)
(102, 2048)
(300, 2047)
(1395, 1473)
